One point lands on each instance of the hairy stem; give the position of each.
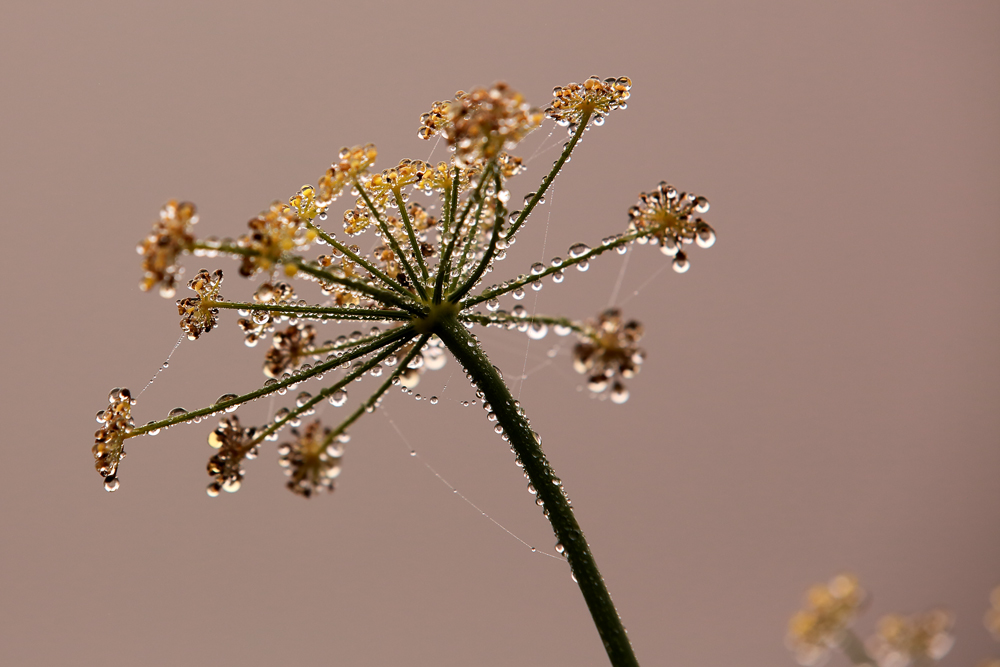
(548, 487)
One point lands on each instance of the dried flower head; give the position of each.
(904, 640)
(481, 123)
(170, 237)
(109, 447)
(311, 462)
(234, 443)
(199, 313)
(289, 349)
(593, 98)
(352, 164)
(830, 609)
(608, 352)
(668, 218)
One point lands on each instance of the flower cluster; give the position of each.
(905, 640)
(234, 443)
(199, 313)
(829, 611)
(608, 352)
(109, 448)
(274, 232)
(667, 217)
(312, 463)
(593, 98)
(481, 123)
(170, 237)
(352, 164)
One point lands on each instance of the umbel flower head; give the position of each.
(109, 448)
(170, 237)
(905, 640)
(608, 352)
(830, 610)
(404, 275)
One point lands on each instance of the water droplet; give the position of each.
(537, 330)
(434, 400)
(578, 249)
(110, 483)
(619, 393)
(536, 285)
(669, 246)
(213, 491)
(232, 485)
(681, 263)
(166, 364)
(413, 452)
(518, 293)
(558, 277)
(302, 398)
(498, 429)
(701, 205)
(583, 266)
(705, 236)
(176, 412)
(492, 305)
(537, 268)
(338, 398)
(560, 549)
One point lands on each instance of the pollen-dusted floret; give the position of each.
(273, 233)
(170, 237)
(109, 449)
(904, 640)
(481, 123)
(830, 610)
(599, 98)
(261, 322)
(289, 349)
(234, 443)
(668, 216)
(608, 352)
(353, 163)
(312, 465)
(198, 315)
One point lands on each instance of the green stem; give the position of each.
(549, 489)
(444, 266)
(320, 312)
(387, 338)
(277, 425)
(504, 318)
(391, 240)
(358, 259)
(405, 217)
(547, 181)
(855, 649)
(369, 404)
(501, 213)
(380, 295)
(524, 280)
(470, 240)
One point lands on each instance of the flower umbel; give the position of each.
(905, 640)
(411, 293)
(830, 610)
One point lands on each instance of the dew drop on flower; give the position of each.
(619, 393)
(705, 237)
(110, 483)
(681, 263)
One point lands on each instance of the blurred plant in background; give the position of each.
(920, 640)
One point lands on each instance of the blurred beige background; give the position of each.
(821, 390)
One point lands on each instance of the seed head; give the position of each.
(593, 96)
(312, 465)
(904, 640)
(109, 447)
(289, 349)
(234, 443)
(481, 123)
(830, 609)
(171, 236)
(198, 315)
(608, 352)
(669, 218)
